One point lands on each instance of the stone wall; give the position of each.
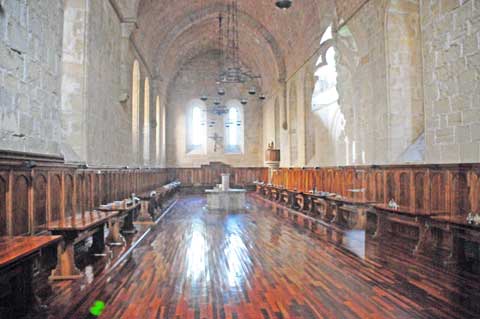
(196, 78)
(98, 58)
(108, 123)
(30, 75)
(451, 45)
(380, 113)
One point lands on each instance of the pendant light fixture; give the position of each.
(283, 4)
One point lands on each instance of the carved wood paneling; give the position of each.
(3, 204)
(68, 193)
(39, 202)
(56, 197)
(20, 202)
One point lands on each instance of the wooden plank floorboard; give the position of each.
(198, 264)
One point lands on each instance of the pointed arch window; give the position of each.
(325, 93)
(196, 128)
(157, 130)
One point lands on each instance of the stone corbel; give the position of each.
(127, 28)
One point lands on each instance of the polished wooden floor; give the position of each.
(200, 264)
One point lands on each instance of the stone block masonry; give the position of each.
(451, 48)
(30, 75)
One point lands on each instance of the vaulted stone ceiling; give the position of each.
(273, 42)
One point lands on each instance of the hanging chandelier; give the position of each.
(232, 70)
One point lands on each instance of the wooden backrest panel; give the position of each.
(20, 220)
(419, 181)
(39, 202)
(68, 193)
(3, 205)
(55, 196)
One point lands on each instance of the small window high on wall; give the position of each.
(196, 128)
(325, 93)
(234, 128)
(146, 124)
(135, 107)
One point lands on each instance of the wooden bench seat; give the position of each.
(16, 272)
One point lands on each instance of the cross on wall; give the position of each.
(217, 139)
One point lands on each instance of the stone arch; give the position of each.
(135, 107)
(210, 12)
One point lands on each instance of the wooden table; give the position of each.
(405, 216)
(121, 223)
(74, 230)
(16, 274)
(459, 230)
(342, 206)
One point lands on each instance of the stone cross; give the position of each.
(218, 139)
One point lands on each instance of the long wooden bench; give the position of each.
(16, 272)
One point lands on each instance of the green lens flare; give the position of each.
(97, 308)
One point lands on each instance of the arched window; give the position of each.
(325, 93)
(234, 128)
(196, 127)
(293, 124)
(146, 124)
(135, 107)
(157, 130)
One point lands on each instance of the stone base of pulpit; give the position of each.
(232, 199)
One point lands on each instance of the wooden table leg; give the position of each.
(381, 224)
(423, 237)
(66, 269)
(128, 227)
(98, 240)
(337, 214)
(329, 212)
(457, 255)
(114, 237)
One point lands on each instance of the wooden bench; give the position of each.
(75, 229)
(16, 272)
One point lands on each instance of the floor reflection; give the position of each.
(200, 264)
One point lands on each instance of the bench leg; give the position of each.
(66, 269)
